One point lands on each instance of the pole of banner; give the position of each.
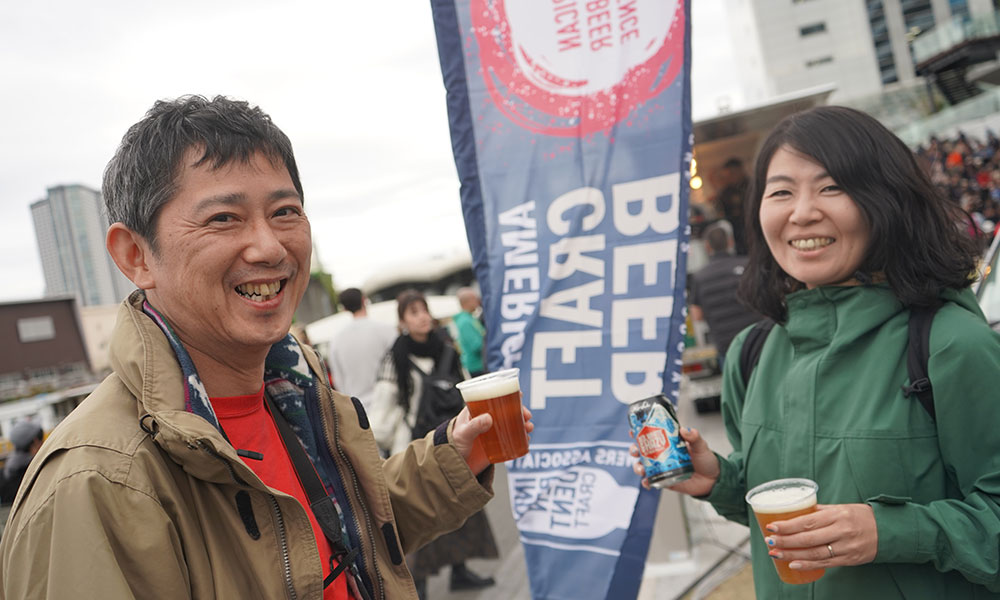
(632, 563)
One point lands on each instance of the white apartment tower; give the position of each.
(860, 46)
(70, 225)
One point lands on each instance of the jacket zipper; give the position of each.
(286, 558)
(354, 481)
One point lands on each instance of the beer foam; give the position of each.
(783, 499)
(492, 385)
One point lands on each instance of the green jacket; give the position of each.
(132, 496)
(470, 341)
(825, 403)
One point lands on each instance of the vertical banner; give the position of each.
(571, 129)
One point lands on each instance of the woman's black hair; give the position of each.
(916, 242)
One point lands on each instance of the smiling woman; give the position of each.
(813, 229)
(847, 238)
(837, 198)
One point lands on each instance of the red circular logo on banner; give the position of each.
(575, 67)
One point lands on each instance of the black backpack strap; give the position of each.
(443, 367)
(918, 352)
(752, 346)
(320, 502)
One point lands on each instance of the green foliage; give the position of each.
(327, 280)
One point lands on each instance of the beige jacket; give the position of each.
(133, 497)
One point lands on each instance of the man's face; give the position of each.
(233, 262)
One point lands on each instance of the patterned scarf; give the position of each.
(287, 381)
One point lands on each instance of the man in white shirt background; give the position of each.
(357, 351)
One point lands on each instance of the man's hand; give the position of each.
(465, 437)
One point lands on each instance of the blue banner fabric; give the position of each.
(571, 129)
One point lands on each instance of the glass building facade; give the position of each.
(883, 44)
(70, 226)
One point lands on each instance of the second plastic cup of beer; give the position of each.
(500, 395)
(779, 500)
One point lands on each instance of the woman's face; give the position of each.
(417, 321)
(814, 230)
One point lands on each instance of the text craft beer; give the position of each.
(501, 397)
(780, 503)
(662, 451)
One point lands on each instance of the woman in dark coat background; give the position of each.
(421, 346)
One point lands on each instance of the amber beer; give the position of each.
(780, 500)
(500, 395)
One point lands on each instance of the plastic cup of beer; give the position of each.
(500, 395)
(780, 500)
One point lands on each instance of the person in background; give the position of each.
(848, 236)
(713, 289)
(215, 461)
(470, 333)
(729, 201)
(26, 437)
(419, 351)
(357, 350)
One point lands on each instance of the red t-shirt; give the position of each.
(250, 426)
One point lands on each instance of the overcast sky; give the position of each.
(355, 85)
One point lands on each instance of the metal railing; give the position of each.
(948, 35)
(901, 104)
(983, 105)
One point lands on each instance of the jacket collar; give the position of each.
(830, 316)
(837, 315)
(285, 361)
(148, 359)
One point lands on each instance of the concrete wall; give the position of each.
(794, 61)
(97, 322)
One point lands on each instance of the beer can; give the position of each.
(662, 451)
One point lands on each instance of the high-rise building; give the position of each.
(860, 46)
(70, 226)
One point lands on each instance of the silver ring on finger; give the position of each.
(829, 549)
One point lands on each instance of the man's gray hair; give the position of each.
(142, 175)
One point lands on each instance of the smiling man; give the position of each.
(215, 461)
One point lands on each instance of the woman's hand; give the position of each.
(836, 535)
(706, 465)
(466, 432)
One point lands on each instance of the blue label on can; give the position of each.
(662, 451)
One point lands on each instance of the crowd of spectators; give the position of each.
(967, 171)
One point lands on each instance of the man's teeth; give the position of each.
(811, 243)
(259, 291)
